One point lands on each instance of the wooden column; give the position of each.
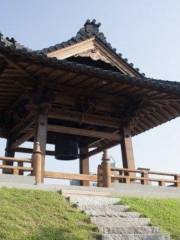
(8, 153)
(127, 150)
(84, 164)
(41, 137)
(37, 159)
(106, 170)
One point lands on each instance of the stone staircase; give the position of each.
(115, 222)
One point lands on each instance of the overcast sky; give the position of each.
(145, 31)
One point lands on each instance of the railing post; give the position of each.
(161, 183)
(37, 163)
(127, 179)
(21, 172)
(99, 176)
(16, 171)
(144, 174)
(106, 170)
(177, 178)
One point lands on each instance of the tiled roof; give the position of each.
(89, 30)
(11, 42)
(22, 54)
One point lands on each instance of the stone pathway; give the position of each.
(114, 221)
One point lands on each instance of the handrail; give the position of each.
(27, 160)
(16, 167)
(142, 171)
(71, 176)
(145, 178)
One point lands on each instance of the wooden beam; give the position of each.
(22, 125)
(16, 167)
(26, 160)
(71, 176)
(100, 149)
(83, 132)
(98, 142)
(88, 118)
(25, 137)
(127, 150)
(30, 150)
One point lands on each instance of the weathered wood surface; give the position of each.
(71, 176)
(26, 160)
(30, 150)
(16, 167)
(84, 163)
(25, 137)
(145, 177)
(41, 139)
(83, 132)
(127, 150)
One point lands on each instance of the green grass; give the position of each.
(40, 215)
(164, 213)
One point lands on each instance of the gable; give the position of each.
(89, 42)
(96, 51)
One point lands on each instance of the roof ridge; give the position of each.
(89, 30)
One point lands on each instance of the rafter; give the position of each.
(88, 118)
(83, 132)
(25, 137)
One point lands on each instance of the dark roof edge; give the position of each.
(11, 42)
(156, 84)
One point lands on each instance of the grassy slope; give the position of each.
(164, 213)
(40, 215)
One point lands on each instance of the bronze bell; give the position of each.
(66, 147)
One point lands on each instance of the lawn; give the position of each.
(164, 213)
(41, 215)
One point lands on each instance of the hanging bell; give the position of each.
(66, 147)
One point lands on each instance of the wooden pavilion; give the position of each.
(80, 95)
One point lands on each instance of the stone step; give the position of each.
(97, 200)
(111, 213)
(129, 230)
(113, 220)
(135, 237)
(105, 208)
(117, 221)
(85, 192)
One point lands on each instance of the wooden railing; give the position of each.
(107, 174)
(7, 163)
(144, 177)
(70, 176)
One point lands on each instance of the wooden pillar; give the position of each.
(84, 164)
(37, 159)
(8, 153)
(106, 170)
(41, 137)
(127, 150)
